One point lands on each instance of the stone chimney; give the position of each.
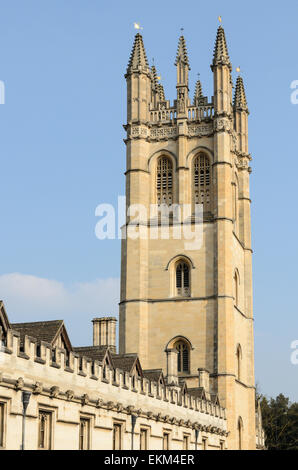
(104, 332)
(204, 379)
(172, 366)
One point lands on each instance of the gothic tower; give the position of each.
(177, 297)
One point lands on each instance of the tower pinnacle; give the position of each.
(221, 54)
(138, 56)
(181, 56)
(240, 102)
(198, 93)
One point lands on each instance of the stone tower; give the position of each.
(196, 303)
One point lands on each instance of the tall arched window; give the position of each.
(238, 360)
(202, 181)
(164, 181)
(240, 433)
(236, 288)
(183, 356)
(182, 279)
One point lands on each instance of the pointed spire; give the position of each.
(182, 53)
(138, 56)
(240, 102)
(198, 92)
(221, 54)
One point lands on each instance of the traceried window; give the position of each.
(182, 279)
(84, 437)
(164, 181)
(183, 356)
(202, 181)
(45, 430)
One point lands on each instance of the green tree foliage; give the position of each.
(280, 422)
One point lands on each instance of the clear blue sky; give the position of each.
(62, 153)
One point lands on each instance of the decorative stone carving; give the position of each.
(69, 394)
(138, 131)
(200, 130)
(54, 392)
(222, 125)
(119, 407)
(19, 385)
(163, 132)
(99, 403)
(131, 410)
(37, 388)
(85, 399)
(110, 405)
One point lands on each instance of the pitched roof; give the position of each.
(155, 375)
(181, 55)
(96, 353)
(215, 399)
(127, 362)
(198, 392)
(138, 55)
(221, 54)
(240, 101)
(47, 331)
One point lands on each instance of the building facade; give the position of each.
(184, 374)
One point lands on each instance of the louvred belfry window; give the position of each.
(183, 356)
(164, 181)
(182, 279)
(202, 181)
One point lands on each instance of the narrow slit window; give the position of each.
(84, 443)
(45, 430)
